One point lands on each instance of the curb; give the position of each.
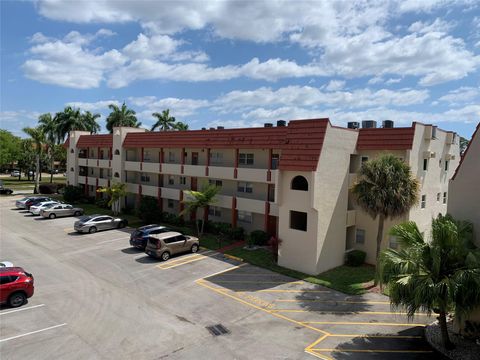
(233, 257)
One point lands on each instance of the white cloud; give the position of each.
(335, 85)
(393, 81)
(97, 106)
(461, 95)
(438, 25)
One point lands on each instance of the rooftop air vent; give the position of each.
(353, 125)
(220, 128)
(281, 123)
(268, 125)
(387, 124)
(369, 124)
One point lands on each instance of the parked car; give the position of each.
(93, 223)
(15, 173)
(36, 201)
(21, 203)
(140, 236)
(16, 285)
(167, 244)
(35, 209)
(5, 191)
(6, 264)
(60, 210)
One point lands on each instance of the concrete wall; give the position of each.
(464, 199)
(72, 156)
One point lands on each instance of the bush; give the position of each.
(355, 257)
(72, 194)
(148, 210)
(220, 228)
(259, 237)
(236, 233)
(127, 210)
(49, 188)
(103, 203)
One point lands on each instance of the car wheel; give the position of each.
(77, 213)
(194, 248)
(92, 230)
(52, 216)
(9, 192)
(121, 225)
(17, 299)
(165, 256)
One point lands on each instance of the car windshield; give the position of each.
(86, 218)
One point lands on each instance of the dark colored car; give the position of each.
(36, 201)
(140, 236)
(16, 286)
(5, 191)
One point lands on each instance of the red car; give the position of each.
(16, 285)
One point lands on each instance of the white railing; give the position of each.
(255, 175)
(171, 169)
(132, 165)
(169, 193)
(194, 170)
(251, 205)
(149, 190)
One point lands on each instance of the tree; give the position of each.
(72, 119)
(180, 126)
(463, 144)
(121, 116)
(49, 128)
(386, 188)
(90, 122)
(10, 148)
(26, 158)
(164, 121)
(200, 200)
(38, 138)
(438, 276)
(115, 192)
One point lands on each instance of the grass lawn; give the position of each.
(347, 279)
(15, 184)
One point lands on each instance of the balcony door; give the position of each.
(194, 158)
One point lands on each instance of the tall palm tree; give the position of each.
(164, 121)
(438, 276)
(72, 119)
(49, 128)
(200, 200)
(90, 122)
(121, 116)
(38, 137)
(180, 126)
(387, 189)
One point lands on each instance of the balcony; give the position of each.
(82, 179)
(92, 180)
(351, 217)
(218, 172)
(132, 188)
(151, 167)
(132, 165)
(103, 163)
(82, 162)
(194, 170)
(102, 182)
(149, 190)
(250, 205)
(223, 201)
(273, 209)
(171, 169)
(169, 193)
(254, 175)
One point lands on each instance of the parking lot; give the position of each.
(98, 298)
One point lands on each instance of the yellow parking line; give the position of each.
(317, 341)
(248, 274)
(256, 282)
(277, 291)
(183, 260)
(333, 301)
(374, 351)
(378, 336)
(170, 266)
(360, 323)
(349, 312)
(320, 356)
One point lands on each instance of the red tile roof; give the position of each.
(477, 130)
(386, 138)
(101, 140)
(301, 141)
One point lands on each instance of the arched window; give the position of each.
(116, 174)
(72, 151)
(71, 169)
(299, 183)
(117, 152)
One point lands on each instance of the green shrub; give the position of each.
(128, 210)
(259, 237)
(72, 194)
(103, 203)
(148, 210)
(355, 258)
(236, 233)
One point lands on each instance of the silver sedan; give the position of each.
(93, 223)
(59, 210)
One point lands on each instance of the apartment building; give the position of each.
(291, 181)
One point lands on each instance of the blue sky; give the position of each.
(241, 64)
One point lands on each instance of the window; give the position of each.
(423, 202)
(183, 180)
(7, 279)
(298, 220)
(244, 187)
(245, 159)
(91, 171)
(72, 151)
(364, 159)
(446, 165)
(392, 242)
(170, 240)
(171, 180)
(101, 173)
(299, 183)
(434, 132)
(275, 160)
(425, 164)
(145, 178)
(216, 158)
(438, 197)
(214, 211)
(117, 152)
(244, 216)
(71, 169)
(170, 203)
(146, 156)
(171, 156)
(217, 183)
(116, 174)
(360, 236)
(444, 197)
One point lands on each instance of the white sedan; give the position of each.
(6, 264)
(35, 210)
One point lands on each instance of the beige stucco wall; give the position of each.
(72, 157)
(464, 199)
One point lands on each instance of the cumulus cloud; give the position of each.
(461, 95)
(101, 105)
(335, 85)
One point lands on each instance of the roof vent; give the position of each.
(212, 128)
(281, 123)
(220, 128)
(204, 128)
(353, 125)
(268, 125)
(369, 124)
(388, 124)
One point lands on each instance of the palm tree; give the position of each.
(438, 276)
(180, 126)
(164, 121)
(200, 200)
(121, 116)
(38, 137)
(386, 188)
(115, 192)
(49, 128)
(90, 122)
(72, 119)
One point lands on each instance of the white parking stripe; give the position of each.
(24, 308)
(32, 332)
(109, 241)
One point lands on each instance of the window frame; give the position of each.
(245, 217)
(244, 189)
(298, 221)
(357, 233)
(423, 201)
(246, 158)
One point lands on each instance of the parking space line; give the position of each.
(360, 323)
(378, 336)
(182, 263)
(109, 241)
(223, 271)
(68, 230)
(255, 282)
(333, 301)
(374, 351)
(22, 309)
(281, 291)
(32, 332)
(350, 312)
(185, 260)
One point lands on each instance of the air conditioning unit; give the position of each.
(429, 154)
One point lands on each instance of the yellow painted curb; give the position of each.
(233, 257)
